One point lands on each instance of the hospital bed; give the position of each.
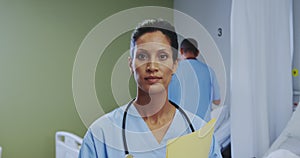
(222, 127)
(287, 145)
(67, 144)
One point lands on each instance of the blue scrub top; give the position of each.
(104, 137)
(194, 85)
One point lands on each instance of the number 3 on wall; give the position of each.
(219, 32)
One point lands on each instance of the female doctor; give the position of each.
(141, 128)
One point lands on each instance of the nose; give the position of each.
(152, 67)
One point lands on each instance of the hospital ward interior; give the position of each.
(52, 88)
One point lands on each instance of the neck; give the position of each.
(153, 106)
(189, 56)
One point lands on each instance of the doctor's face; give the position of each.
(152, 63)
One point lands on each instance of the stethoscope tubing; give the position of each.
(126, 151)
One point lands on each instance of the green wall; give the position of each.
(38, 43)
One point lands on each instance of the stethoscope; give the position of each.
(127, 155)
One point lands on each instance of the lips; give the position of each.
(153, 79)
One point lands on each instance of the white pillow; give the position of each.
(294, 124)
(282, 153)
(292, 144)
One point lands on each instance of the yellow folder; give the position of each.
(193, 145)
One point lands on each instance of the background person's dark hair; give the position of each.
(189, 45)
(153, 25)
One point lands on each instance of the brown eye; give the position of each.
(163, 56)
(142, 56)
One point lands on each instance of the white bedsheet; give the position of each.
(222, 127)
(282, 153)
(289, 139)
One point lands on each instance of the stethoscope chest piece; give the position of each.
(128, 156)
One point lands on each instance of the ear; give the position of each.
(130, 64)
(198, 52)
(181, 51)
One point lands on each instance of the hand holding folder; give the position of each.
(193, 145)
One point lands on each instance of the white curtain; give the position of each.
(261, 92)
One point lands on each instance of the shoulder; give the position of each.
(211, 70)
(186, 66)
(105, 125)
(112, 117)
(193, 63)
(197, 121)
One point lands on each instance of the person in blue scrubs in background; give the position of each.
(142, 127)
(194, 84)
